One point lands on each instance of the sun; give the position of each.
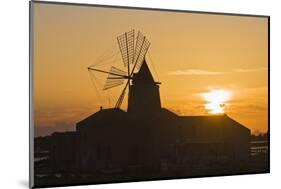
(216, 100)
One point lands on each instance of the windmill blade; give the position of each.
(111, 84)
(115, 78)
(119, 73)
(141, 49)
(116, 71)
(126, 46)
(121, 97)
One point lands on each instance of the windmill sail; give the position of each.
(115, 78)
(113, 83)
(126, 46)
(117, 71)
(141, 49)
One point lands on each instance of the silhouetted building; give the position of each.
(149, 136)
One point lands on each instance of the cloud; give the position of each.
(250, 70)
(194, 72)
(207, 72)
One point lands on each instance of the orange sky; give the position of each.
(190, 54)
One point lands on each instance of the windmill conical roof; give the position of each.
(144, 75)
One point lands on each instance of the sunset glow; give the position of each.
(190, 54)
(216, 101)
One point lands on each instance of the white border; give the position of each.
(15, 91)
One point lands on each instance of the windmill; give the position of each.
(133, 53)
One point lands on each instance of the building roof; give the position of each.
(111, 114)
(164, 116)
(211, 120)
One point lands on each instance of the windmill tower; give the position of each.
(143, 94)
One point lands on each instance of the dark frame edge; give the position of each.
(147, 8)
(31, 120)
(268, 55)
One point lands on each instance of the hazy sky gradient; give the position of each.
(189, 53)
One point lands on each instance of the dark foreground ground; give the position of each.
(258, 163)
